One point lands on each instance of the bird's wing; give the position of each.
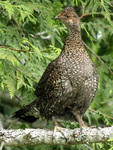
(54, 87)
(43, 80)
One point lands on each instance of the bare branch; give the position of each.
(88, 147)
(89, 14)
(48, 37)
(42, 33)
(12, 48)
(19, 26)
(17, 97)
(43, 136)
(10, 20)
(94, 13)
(102, 113)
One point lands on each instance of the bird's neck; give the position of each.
(73, 40)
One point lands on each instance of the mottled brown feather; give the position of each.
(69, 83)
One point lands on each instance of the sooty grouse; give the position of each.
(68, 85)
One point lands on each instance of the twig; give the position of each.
(2, 145)
(42, 33)
(88, 147)
(89, 14)
(16, 23)
(17, 97)
(19, 26)
(95, 13)
(84, 15)
(12, 48)
(17, 69)
(48, 37)
(10, 65)
(97, 57)
(10, 20)
(102, 113)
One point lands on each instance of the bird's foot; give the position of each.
(61, 130)
(58, 129)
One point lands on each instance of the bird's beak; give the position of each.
(56, 17)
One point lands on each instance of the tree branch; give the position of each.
(89, 14)
(101, 112)
(88, 147)
(11, 65)
(12, 48)
(9, 20)
(18, 26)
(21, 137)
(94, 13)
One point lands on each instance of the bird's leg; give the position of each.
(55, 125)
(57, 128)
(54, 121)
(80, 121)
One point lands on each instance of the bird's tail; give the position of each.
(28, 113)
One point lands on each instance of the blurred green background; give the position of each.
(30, 38)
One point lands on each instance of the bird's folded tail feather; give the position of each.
(28, 113)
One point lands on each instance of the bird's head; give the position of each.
(69, 17)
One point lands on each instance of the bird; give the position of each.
(69, 83)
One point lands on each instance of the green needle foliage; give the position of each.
(30, 38)
(25, 54)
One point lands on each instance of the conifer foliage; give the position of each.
(30, 38)
(24, 49)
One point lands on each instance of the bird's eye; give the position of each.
(68, 16)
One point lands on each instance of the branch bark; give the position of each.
(21, 137)
(13, 49)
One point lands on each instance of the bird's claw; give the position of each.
(59, 129)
